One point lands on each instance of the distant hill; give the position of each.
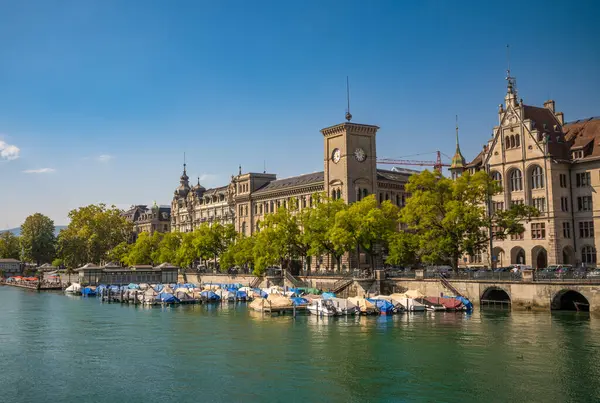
(17, 231)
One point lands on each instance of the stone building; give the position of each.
(10, 267)
(144, 219)
(350, 173)
(555, 166)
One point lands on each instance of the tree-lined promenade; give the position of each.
(442, 220)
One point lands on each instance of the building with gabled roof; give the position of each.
(555, 166)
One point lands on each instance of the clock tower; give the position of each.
(350, 160)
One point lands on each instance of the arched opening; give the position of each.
(498, 257)
(539, 257)
(517, 255)
(569, 300)
(568, 254)
(495, 297)
(515, 180)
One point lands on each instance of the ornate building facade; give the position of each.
(350, 173)
(555, 166)
(144, 219)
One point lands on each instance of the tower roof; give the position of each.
(458, 161)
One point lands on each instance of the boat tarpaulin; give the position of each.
(327, 295)
(383, 305)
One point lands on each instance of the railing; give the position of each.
(256, 282)
(329, 273)
(576, 277)
(296, 282)
(449, 286)
(400, 274)
(341, 284)
(478, 275)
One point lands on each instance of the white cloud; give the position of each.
(105, 158)
(39, 171)
(8, 152)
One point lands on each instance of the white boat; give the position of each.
(409, 304)
(343, 306)
(74, 288)
(322, 307)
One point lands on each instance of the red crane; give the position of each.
(437, 164)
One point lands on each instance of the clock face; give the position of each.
(336, 155)
(360, 155)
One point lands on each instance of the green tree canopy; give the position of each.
(449, 217)
(144, 250)
(93, 231)
(167, 248)
(38, 243)
(9, 246)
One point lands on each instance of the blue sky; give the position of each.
(102, 98)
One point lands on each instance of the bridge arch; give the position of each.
(569, 300)
(495, 296)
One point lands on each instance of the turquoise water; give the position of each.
(56, 348)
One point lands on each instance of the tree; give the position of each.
(167, 248)
(403, 249)
(213, 241)
(144, 249)
(321, 231)
(239, 253)
(94, 230)
(186, 253)
(38, 243)
(449, 217)
(9, 246)
(119, 253)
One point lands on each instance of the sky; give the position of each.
(99, 100)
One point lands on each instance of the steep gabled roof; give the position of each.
(545, 122)
(584, 134)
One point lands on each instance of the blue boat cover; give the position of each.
(327, 295)
(383, 305)
(88, 291)
(262, 293)
(299, 301)
(133, 286)
(159, 287)
(466, 303)
(209, 295)
(241, 294)
(166, 297)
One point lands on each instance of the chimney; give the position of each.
(561, 117)
(549, 105)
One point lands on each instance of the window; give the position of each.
(564, 204)
(260, 208)
(255, 209)
(339, 194)
(582, 179)
(584, 203)
(586, 229)
(539, 203)
(537, 177)
(588, 254)
(398, 200)
(476, 258)
(516, 182)
(516, 202)
(538, 231)
(243, 228)
(563, 180)
(517, 141)
(567, 230)
(333, 194)
(497, 206)
(387, 196)
(304, 202)
(577, 154)
(517, 237)
(358, 194)
(365, 193)
(497, 176)
(380, 197)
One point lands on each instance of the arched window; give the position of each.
(380, 197)
(588, 254)
(358, 194)
(271, 206)
(339, 194)
(244, 228)
(516, 182)
(509, 143)
(397, 200)
(517, 141)
(537, 177)
(333, 194)
(497, 176)
(260, 208)
(365, 193)
(387, 196)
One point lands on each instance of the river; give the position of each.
(57, 348)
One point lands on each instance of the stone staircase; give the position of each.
(256, 282)
(341, 285)
(295, 281)
(449, 286)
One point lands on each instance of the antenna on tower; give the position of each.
(184, 161)
(457, 130)
(348, 114)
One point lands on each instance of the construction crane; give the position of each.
(437, 164)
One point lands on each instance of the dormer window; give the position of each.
(577, 154)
